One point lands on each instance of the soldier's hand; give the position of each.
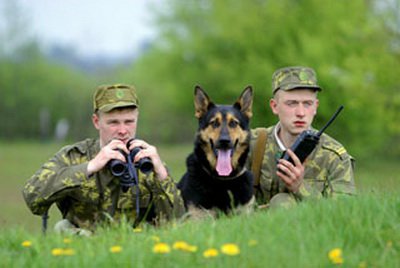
(149, 151)
(108, 152)
(292, 175)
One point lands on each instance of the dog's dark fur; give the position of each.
(223, 130)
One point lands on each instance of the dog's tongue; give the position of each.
(224, 167)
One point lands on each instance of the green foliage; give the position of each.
(365, 229)
(32, 86)
(225, 45)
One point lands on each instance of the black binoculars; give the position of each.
(126, 171)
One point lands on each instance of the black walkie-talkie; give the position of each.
(307, 141)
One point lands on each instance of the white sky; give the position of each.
(108, 27)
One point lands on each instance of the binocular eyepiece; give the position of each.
(118, 168)
(126, 171)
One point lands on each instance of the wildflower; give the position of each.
(68, 252)
(26, 243)
(335, 255)
(191, 248)
(137, 230)
(57, 251)
(182, 245)
(210, 253)
(161, 248)
(67, 241)
(62, 252)
(115, 249)
(230, 249)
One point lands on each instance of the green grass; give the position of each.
(366, 228)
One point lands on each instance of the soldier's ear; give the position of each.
(95, 120)
(273, 105)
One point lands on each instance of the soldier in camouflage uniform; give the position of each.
(327, 172)
(79, 181)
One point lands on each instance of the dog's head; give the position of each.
(223, 135)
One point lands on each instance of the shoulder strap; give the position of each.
(258, 155)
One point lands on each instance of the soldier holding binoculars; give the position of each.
(79, 179)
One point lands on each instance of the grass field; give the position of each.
(354, 232)
(365, 231)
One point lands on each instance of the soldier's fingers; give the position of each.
(146, 152)
(294, 157)
(118, 145)
(284, 173)
(118, 156)
(138, 143)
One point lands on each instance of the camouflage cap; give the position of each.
(295, 77)
(108, 97)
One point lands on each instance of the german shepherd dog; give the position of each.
(216, 178)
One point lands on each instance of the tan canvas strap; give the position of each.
(258, 155)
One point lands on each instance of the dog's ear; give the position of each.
(201, 102)
(245, 102)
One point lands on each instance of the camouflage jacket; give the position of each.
(85, 200)
(328, 170)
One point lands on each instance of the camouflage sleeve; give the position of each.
(341, 179)
(53, 181)
(167, 199)
(336, 176)
(307, 191)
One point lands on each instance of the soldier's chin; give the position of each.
(298, 130)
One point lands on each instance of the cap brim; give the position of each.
(316, 88)
(109, 107)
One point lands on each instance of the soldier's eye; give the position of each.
(291, 104)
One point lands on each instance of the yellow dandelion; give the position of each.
(252, 242)
(161, 248)
(26, 243)
(191, 248)
(210, 253)
(67, 240)
(137, 230)
(182, 245)
(230, 249)
(68, 252)
(155, 238)
(115, 249)
(57, 251)
(335, 255)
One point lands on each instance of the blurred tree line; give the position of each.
(224, 46)
(37, 94)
